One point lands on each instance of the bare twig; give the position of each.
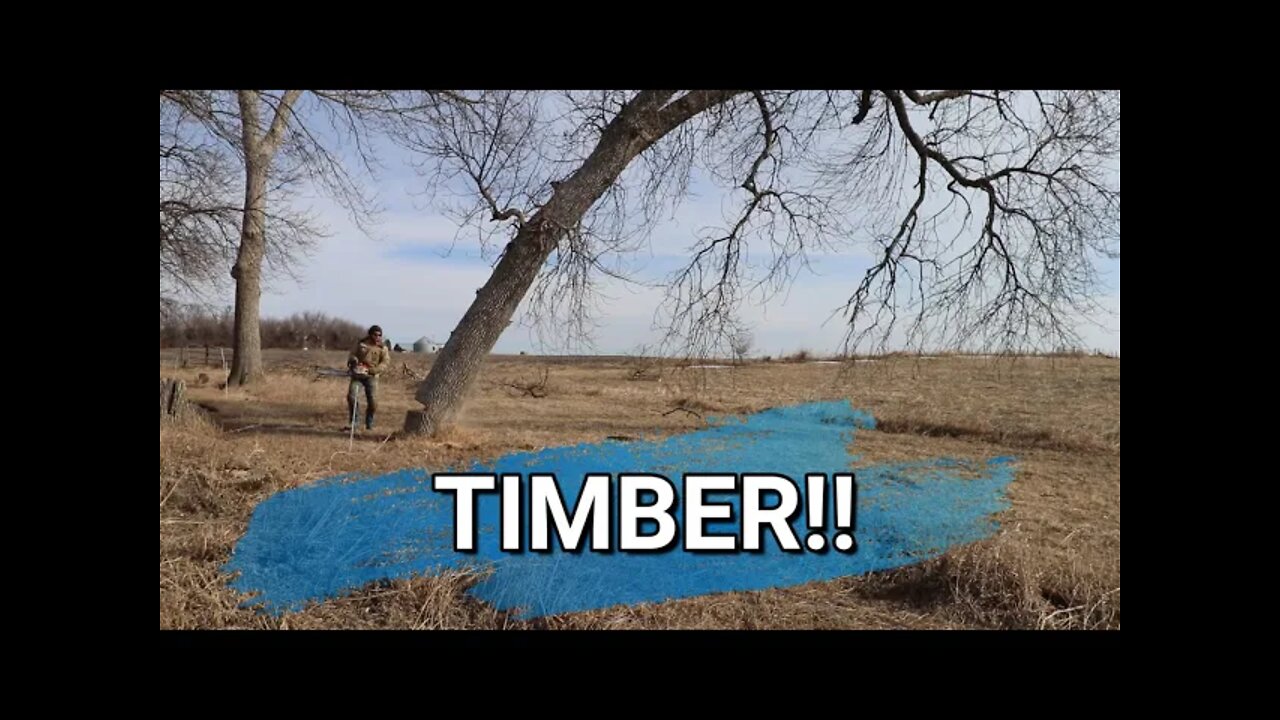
(532, 388)
(171, 489)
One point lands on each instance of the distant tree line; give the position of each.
(198, 325)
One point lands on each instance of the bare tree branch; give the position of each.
(934, 97)
(1049, 204)
(984, 210)
(279, 122)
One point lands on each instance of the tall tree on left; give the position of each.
(285, 140)
(259, 146)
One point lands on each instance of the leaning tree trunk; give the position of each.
(457, 364)
(638, 126)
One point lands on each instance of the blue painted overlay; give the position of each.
(334, 536)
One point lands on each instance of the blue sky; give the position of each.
(417, 275)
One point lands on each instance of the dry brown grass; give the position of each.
(1055, 564)
(1001, 583)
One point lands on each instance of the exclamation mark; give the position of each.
(846, 506)
(817, 494)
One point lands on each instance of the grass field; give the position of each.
(1054, 564)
